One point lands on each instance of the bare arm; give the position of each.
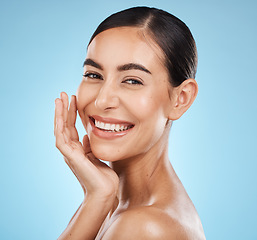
(87, 221)
(98, 181)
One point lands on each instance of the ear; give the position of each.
(183, 97)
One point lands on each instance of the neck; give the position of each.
(141, 175)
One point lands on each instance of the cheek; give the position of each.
(85, 96)
(146, 106)
(151, 111)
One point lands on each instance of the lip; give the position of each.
(109, 135)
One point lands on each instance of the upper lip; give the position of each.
(110, 120)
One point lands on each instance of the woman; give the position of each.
(138, 78)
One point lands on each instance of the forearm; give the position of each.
(87, 221)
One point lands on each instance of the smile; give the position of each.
(109, 127)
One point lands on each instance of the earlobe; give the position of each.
(184, 96)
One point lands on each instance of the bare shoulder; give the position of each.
(148, 223)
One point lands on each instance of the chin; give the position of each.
(106, 153)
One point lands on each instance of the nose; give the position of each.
(107, 97)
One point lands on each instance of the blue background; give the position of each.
(212, 147)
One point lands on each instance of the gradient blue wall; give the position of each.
(212, 147)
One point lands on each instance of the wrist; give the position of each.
(99, 200)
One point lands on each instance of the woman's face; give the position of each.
(124, 97)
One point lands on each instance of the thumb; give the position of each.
(86, 144)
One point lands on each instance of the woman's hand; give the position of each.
(97, 179)
(99, 182)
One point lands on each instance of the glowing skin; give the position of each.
(126, 105)
(113, 93)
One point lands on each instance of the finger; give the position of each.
(72, 113)
(86, 144)
(62, 140)
(65, 100)
(94, 160)
(58, 112)
(72, 116)
(59, 122)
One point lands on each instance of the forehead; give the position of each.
(126, 44)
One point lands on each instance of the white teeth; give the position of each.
(117, 128)
(111, 127)
(101, 125)
(107, 126)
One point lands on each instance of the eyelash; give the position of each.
(97, 76)
(133, 82)
(93, 76)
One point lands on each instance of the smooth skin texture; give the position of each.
(139, 196)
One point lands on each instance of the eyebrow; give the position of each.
(131, 66)
(125, 67)
(92, 63)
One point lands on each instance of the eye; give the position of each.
(93, 76)
(133, 82)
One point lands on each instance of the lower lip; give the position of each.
(108, 135)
